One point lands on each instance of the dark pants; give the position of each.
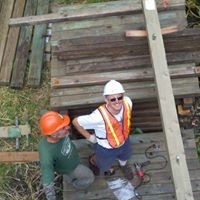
(106, 157)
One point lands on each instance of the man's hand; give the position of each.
(92, 139)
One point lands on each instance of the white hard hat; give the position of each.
(113, 87)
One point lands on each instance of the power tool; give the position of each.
(139, 170)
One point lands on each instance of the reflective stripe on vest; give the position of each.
(116, 133)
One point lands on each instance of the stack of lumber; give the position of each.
(21, 48)
(89, 51)
(160, 185)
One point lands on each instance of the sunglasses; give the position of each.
(115, 99)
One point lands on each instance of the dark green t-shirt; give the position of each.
(61, 157)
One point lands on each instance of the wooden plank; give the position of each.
(85, 96)
(113, 36)
(143, 33)
(126, 48)
(137, 20)
(128, 75)
(25, 156)
(110, 25)
(118, 48)
(160, 185)
(37, 48)
(111, 197)
(165, 30)
(85, 11)
(167, 106)
(129, 86)
(61, 68)
(148, 191)
(100, 22)
(5, 14)
(100, 64)
(12, 39)
(22, 52)
(168, 196)
(24, 130)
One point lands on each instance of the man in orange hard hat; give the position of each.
(111, 123)
(57, 153)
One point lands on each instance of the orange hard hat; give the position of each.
(51, 121)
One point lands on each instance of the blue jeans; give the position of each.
(106, 157)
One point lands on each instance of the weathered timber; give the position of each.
(160, 185)
(85, 11)
(110, 21)
(37, 48)
(134, 75)
(5, 14)
(25, 156)
(143, 33)
(167, 107)
(11, 46)
(22, 52)
(90, 95)
(114, 24)
(59, 68)
(137, 21)
(118, 48)
(98, 88)
(111, 40)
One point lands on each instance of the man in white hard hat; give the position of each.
(111, 123)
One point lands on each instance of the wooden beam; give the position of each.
(37, 47)
(76, 97)
(11, 45)
(174, 143)
(25, 156)
(5, 14)
(85, 11)
(23, 48)
(141, 74)
(143, 33)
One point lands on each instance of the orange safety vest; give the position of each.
(116, 133)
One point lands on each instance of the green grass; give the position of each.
(26, 104)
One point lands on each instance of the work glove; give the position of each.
(49, 191)
(92, 139)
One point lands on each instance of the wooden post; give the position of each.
(174, 143)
